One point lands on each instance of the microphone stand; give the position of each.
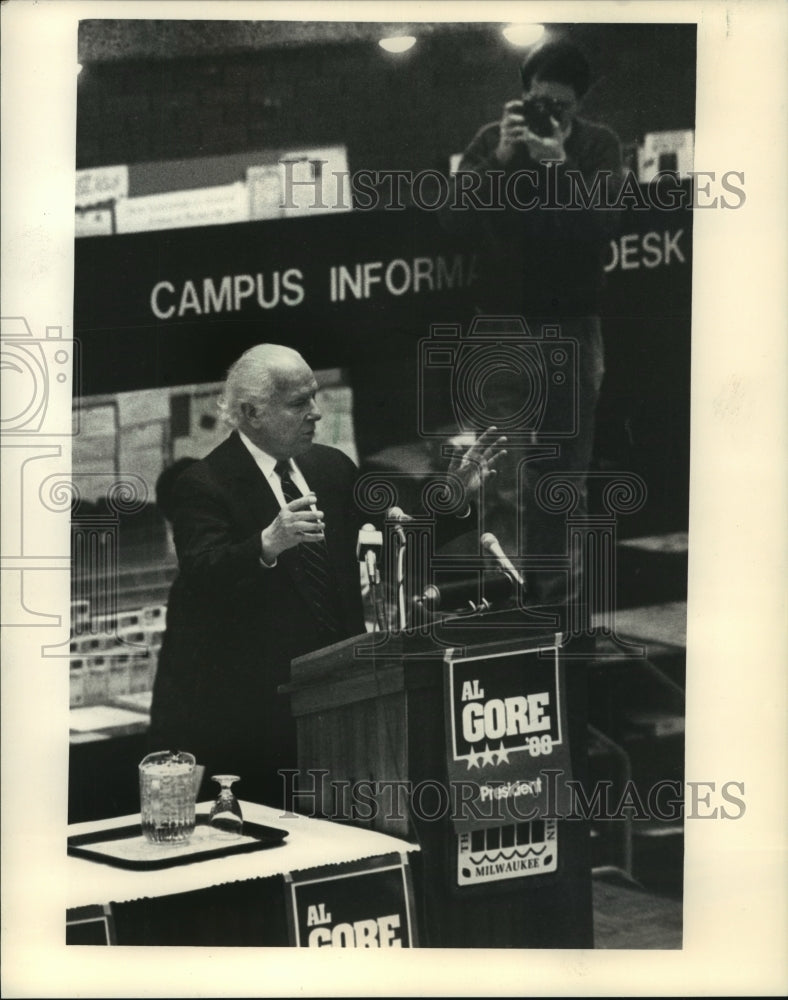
(401, 608)
(373, 575)
(395, 516)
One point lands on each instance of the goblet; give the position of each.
(225, 816)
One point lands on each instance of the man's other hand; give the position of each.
(478, 462)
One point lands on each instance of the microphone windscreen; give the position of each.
(369, 539)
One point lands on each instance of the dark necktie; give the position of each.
(315, 563)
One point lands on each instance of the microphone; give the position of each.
(368, 545)
(456, 595)
(430, 599)
(491, 544)
(451, 597)
(398, 516)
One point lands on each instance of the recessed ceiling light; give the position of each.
(397, 43)
(523, 34)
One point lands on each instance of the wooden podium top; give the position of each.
(416, 655)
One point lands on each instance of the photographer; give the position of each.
(541, 217)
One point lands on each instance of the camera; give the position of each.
(500, 373)
(37, 380)
(538, 112)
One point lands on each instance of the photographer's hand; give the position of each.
(513, 132)
(548, 148)
(476, 464)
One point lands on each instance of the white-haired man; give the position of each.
(265, 530)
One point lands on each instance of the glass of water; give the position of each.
(167, 796)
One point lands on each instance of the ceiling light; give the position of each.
(523, 34)
(397, 43)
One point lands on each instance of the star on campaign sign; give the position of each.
(505, 725)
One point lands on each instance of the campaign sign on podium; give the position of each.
(501, 853)
(394, 720)
(507, 736)
(367, 904)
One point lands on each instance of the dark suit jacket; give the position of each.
(233, 626)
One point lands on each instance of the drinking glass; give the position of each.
(167, 797)
(225, 816)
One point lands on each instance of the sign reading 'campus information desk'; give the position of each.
(177, 307)
(507, 736)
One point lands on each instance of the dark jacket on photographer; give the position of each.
(545, 255)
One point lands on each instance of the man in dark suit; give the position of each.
(265, 530)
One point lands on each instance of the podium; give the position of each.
(371, 722)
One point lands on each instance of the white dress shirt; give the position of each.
(267, 465)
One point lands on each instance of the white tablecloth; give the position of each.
(310, 843)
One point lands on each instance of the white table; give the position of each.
(310, 844)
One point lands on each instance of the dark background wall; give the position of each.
(405, 112)
(210, 94)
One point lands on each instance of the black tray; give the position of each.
(79, 846)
